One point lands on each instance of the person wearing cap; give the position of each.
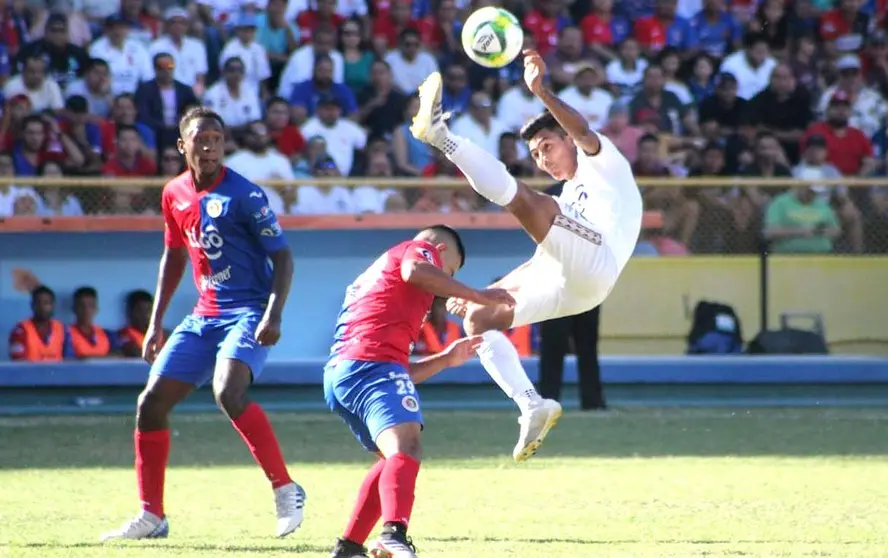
(751, 66)
(869, 108)
(848, 148)
(814, 166)
(251, 53)
(64, 61)
(784, 108)
(479, 124)
(236, 101)
(128, 60)
(586, 95)
(189, 54)
(342, 135)
(44, 93)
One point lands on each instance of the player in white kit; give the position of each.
(584, 238)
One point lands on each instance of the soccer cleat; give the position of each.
(348, 549)
(393, 544)
(535, 423)
(289, 501)
(428, 125)
(146, 525)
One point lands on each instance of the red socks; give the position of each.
(152, 451)
(256, 431)
(368, 509)
(397, 486)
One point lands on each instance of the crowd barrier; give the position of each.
(725, 370)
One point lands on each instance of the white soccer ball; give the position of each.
(492, 37)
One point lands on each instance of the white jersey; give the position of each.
(603, 192)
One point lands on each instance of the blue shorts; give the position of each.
(190, 354)
(370, 397)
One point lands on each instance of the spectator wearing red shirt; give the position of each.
(128, 161)
(388, 27)
(545, 22)
(123, 112)
(287, 137)
(603, 31)
(441, 30)
(324, 15)
(665, 28)
(845, 28)
(848, 149)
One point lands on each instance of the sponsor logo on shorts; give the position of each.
(410, 403)
(578, 229)
(212, 281)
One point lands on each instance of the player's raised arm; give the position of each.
(434, 280)
(263, 223)
(569, 119)
(455, 354)
(169, 275)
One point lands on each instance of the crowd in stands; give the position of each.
(326, 88)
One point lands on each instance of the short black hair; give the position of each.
(160, 55)
(41, 290)
(648, 138)
(276, 101)
(31, 119)
(765, 134)
(408, 32)
(198, 113)
(137, 297)
(121, 128)
(752, 39)
(82, 292)
(460, 247)
(95, 63)
(540, 122)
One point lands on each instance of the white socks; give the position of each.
(500, 358)
(487, 174)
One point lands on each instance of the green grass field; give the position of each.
(707, 482)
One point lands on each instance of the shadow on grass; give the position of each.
(610, 542)
(467, 438)
(179, 546)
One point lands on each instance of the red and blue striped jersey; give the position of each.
(381, 315)
(229, 232)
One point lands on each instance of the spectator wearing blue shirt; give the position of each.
(87, 135)
(279, 37)
(718, 31)
(305, 96)
(456, 92)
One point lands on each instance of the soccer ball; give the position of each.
(492, 37)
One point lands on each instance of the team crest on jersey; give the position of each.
(214, 208)
(427, 256)
(410, 403)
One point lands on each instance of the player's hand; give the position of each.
(461, 350)
(268, 332)
(534, 71)
(492, 297)
(457, 306)
(152, 343)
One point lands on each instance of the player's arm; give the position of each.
(172, 264)
(455, 354)
(569, 119)
(434, 280)
(281, 279)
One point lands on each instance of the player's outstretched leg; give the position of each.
(365, 515)
(152, 448)
(397, 488)
(231, 380)
(486, 174)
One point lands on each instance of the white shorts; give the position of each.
(572, 271)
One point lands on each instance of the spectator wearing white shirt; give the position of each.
(479, 125)
(409, 63)
(245, 46)
(372, 199)
(324, 200)
(128, 61)
(236, 101)
(343, 136)
(752, 66)
(586, 97)
(348, 9)
(9, 193)
(302, 62)
(626, 72)
(518, 105)
(43, 92)
(258, 162)
(189, 54)
(868, 107)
